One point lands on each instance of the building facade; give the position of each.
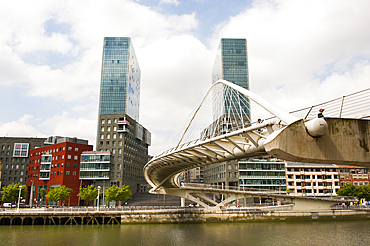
(14, 154)
(262, 174)
(119, 130)
(222, 174)
(308, 179)
(54, 165)
(355, 175)
(231, 64)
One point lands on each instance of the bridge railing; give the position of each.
(232, 188)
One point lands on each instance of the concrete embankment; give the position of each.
(78, 218)
(201, 217)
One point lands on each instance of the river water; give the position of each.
(259, 233)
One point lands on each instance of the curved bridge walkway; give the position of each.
(284, 136)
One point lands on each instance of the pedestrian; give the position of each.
(320, 114)
(132, 208)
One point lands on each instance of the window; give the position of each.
(102, 136)
(119, 166)
(118, 175)
(69, 157)
(102, 129)
(76, 157)
(109, 121)
(112, 175)
(119, 151)
(113, 143)
(114, 136)
(74, 165)
(74, 173)
(76, 149)
(68, 164)
(108, 128)
(69, 148)
(113, 151)
(107, 144)
(67, 173)
(102, 122)
(108, 136)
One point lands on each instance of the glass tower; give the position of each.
(231, 64)
(119, 131)
(120, 79)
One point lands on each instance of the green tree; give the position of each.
(42, 194)
(88, 194)
(57, 194)
(114, 193)
(347, 190)
(363, 192)
(11, 192)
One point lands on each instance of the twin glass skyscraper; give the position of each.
(119, 131)
(231, 62)
(120, 78)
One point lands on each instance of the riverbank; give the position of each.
(155, 217)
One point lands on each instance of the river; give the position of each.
(256, 233)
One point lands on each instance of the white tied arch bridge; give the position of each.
(234, 123)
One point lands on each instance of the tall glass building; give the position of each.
(119, 131)
(120, 78)
(231, 64)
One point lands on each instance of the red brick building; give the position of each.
(55, 165)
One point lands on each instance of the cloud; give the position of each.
(20, 127)
(174, 2)
(300, 53)
(294, 48)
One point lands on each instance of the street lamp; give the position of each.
(19, 196)
(31, 195)
(98, 196)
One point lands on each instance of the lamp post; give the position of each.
(31, 195)
(19, 197)
(98, 197)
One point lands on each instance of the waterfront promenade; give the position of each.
(125, 215)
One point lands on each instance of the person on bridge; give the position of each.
(320, 114)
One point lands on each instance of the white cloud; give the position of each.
(21, 127)
(294, 45)
(300, 53)
(174, 2)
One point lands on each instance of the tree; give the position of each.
(57, 194)
(114, 193)
(347, 190)
(42, 194)
(363, 192)
(11, 192)
(88, 194)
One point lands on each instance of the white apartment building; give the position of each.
(307, 179)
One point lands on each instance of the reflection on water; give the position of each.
(263, 233)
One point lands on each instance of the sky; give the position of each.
(300, 53)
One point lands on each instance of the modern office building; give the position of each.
(56, 164)
(231, 64)
(14, 155)
(262, 174)
(119, 131)
(223, 174)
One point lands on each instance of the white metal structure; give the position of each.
(231, 131)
